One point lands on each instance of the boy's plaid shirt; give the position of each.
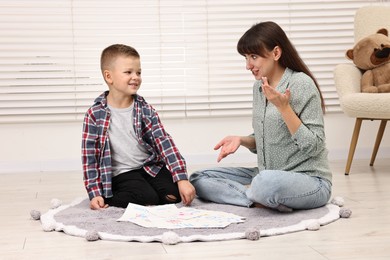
(96, 155)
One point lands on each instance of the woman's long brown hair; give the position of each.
(264, 37)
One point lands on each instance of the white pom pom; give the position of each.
(339, 201)
(92, 235)
(35, 214)
(55, 203)
(48, 225)
(345, 213)
(170, 238)
(252, 234)
(313, 225)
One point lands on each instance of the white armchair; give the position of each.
(363, 106)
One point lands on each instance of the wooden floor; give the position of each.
(366, 235)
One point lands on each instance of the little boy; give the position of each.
(127, 156)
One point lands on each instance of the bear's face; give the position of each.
(371, 51)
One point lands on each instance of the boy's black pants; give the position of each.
(138, 187)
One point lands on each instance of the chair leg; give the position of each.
(378, 141)
(352, 147)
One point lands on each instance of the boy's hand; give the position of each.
(187, 192)
(98, 203)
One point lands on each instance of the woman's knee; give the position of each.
(265, 181)
(264, 189)
(196, 176)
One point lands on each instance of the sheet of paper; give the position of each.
(171, 217)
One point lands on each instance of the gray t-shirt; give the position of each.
(126, 153)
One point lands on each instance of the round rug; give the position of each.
(77, 219)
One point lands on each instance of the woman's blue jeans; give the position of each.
(271, 188)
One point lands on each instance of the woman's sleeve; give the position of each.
(306, 102)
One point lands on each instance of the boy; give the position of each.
(127, 156)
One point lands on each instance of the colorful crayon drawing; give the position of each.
(171, 217)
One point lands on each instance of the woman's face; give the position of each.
(260, 66)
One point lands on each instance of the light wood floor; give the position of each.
(366, 235)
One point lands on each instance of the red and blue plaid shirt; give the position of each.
(96, 155)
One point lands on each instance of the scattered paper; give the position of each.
(171, 217)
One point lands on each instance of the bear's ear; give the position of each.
(383, 31)
(349, 54)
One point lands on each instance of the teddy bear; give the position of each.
(372, 55)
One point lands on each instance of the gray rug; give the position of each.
(78, 220)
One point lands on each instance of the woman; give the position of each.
(288, 137)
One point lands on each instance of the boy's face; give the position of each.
(124, 76)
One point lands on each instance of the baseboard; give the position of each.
(244, 158)
(41, 166)
(362, 153)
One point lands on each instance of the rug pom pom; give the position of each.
(92, 235)
(48, 225)
(313, 226)
(345, 213)
(170, 238)
(35, 214)
(252, 234)
(339, 201)
(55, 203)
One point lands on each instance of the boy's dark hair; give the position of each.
(110, 53)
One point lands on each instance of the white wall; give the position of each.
(56, 146)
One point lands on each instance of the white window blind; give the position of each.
(50, 51)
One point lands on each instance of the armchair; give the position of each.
(363, 106)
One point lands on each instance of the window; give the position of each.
(50, 51)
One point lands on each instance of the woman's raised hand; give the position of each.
(280, 100)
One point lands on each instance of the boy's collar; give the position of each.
(103, 98)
